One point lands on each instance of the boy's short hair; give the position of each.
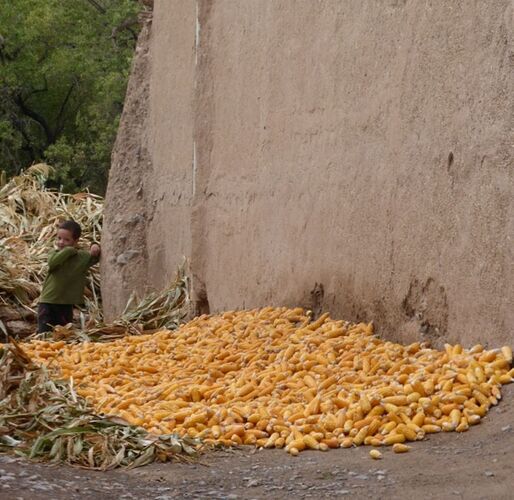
(72, 227)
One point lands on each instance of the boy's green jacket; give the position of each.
(66, 279)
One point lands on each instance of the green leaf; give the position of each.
(62, 86)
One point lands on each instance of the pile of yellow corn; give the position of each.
(274, 378)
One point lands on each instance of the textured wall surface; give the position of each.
(355, 157)
(124, 251)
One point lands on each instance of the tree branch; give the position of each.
(59, 120)
(125, 25)
(50, 136)
(97, 6)
(42, 89)
(33, 151)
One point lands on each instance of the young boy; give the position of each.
(64, 285)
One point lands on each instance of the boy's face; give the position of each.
(65, 239)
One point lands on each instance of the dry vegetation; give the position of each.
(42, 417)
(29, 215)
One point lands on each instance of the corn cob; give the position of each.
(272, 378)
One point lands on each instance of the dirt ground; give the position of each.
(472, 465)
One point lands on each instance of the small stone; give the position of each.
(19, 328)
(489, 473)
(42, 487)
(342, 492)
(124, 258)
(135, 219)
(507, 428)
(362, 477)
(252, 483)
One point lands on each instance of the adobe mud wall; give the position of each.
(355, 157)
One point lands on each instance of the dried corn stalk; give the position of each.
(45, 419)
(160, 310)
(29, 215)
(166, 309)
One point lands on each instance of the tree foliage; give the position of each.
(64, 67)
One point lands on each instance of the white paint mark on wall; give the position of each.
(194, 167)
(197, 45)
(197, 35)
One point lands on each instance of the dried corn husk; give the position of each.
(29, 214)
(160, 310)
(46, 420)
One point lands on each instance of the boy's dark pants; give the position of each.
(49, 315)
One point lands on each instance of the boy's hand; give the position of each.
(94, 251)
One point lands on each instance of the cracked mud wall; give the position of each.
(150, 189)
(349, 156)
(124, 250)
